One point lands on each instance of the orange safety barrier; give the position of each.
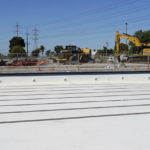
(51, 69)
(43, 62)
(136, 68)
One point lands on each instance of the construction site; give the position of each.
(74, 59)
(86, 87)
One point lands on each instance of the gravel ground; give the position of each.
(50, 68)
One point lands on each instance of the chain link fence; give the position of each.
(19, 63)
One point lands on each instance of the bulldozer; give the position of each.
(73, 54)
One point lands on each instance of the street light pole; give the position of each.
(106, 48)
(126, 29)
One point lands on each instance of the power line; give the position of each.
(92, 20)
(27, 41)
(82, 14)
(117, 24)
(35, 34)
(104, 17)
(17, 29)
(100, 19)
(92, 12)
(103, 20)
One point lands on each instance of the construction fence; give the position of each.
(19, 63)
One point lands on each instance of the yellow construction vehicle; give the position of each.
(72, 53)
(142, 49)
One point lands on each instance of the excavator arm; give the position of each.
(133, 39)
(117, 42)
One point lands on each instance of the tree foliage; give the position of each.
(143, 36)
(16, 41)
(48, 52)
(105, 51)
(58, 48)
(37, 51)
(42, 48)
(17, 51)
(123, 48)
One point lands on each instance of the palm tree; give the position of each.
(42, 48)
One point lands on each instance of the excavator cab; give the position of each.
(67, 53)
(71, 48)
(74, 54)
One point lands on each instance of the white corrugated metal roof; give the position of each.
(75, 117)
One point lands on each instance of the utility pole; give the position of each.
(27, 42)
(35, 34)
(107, 48)
(17, 29)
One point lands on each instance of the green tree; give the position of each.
(16, 41)
(58, 48)
(42, 48)
(36, 52)
(143, 36)
(110, 51)
(103, 51)
(17, 51)
(123, 48)
(48, 52)
(99, 52)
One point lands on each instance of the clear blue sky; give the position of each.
(86, 23)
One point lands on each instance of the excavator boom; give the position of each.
(133, 39)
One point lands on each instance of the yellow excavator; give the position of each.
(72, 53)
(142, 49)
